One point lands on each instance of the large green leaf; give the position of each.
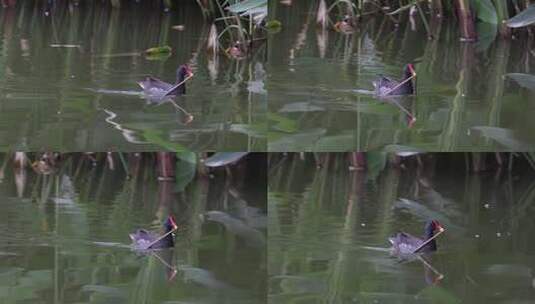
(485, 11)
(186, 168)
(246, 5)
(524, 80)
(524, 18)
(486, 33)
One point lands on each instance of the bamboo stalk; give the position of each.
(429, 240)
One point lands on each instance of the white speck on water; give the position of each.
(363, 225)
(463, 95)
(292, 70)
(498, 234)
(476, 236)
(487, 206)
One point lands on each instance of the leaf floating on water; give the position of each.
(158, 50)
(223, 158)
(65, 45)
(403, 151)
(524, 18)
(159, 56)
(300, 107)
(505, 137)
(524, 80)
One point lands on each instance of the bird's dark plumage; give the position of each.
(387, 87)
(155, 87)
(404, 243)
(142, 239)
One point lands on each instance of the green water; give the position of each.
(84, 98)
(467, 100)
(64, 237)
(328, 230)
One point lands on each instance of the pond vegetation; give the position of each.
(66, 218)
(471, 94)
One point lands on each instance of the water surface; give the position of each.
(329, 227)
(68, 81)
(468, 98)
(64, 237)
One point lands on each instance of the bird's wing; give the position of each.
(152, 82)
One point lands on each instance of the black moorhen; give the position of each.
(404, 243)
(155, 87)
(387, 87)
(142, 239)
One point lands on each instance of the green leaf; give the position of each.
(158, 50)
(524, 80)
(186, 167)
(273, 25)
(485, 11)
(246, 5)
(376, 162)
(486, 33)
(283, 123)
(524, 18)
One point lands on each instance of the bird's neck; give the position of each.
(181, 90)
(432, 246)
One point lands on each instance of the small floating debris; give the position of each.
(158, 50)
(477, 236)
(498, 234)
(179, 27)
(158, 53)
(273, 26)
(487, 206)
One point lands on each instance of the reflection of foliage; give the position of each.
(80, 215)
(329, 229)
(320, 111)
(91, 65)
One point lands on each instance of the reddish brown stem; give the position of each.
(466, 20)
(166, 165)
